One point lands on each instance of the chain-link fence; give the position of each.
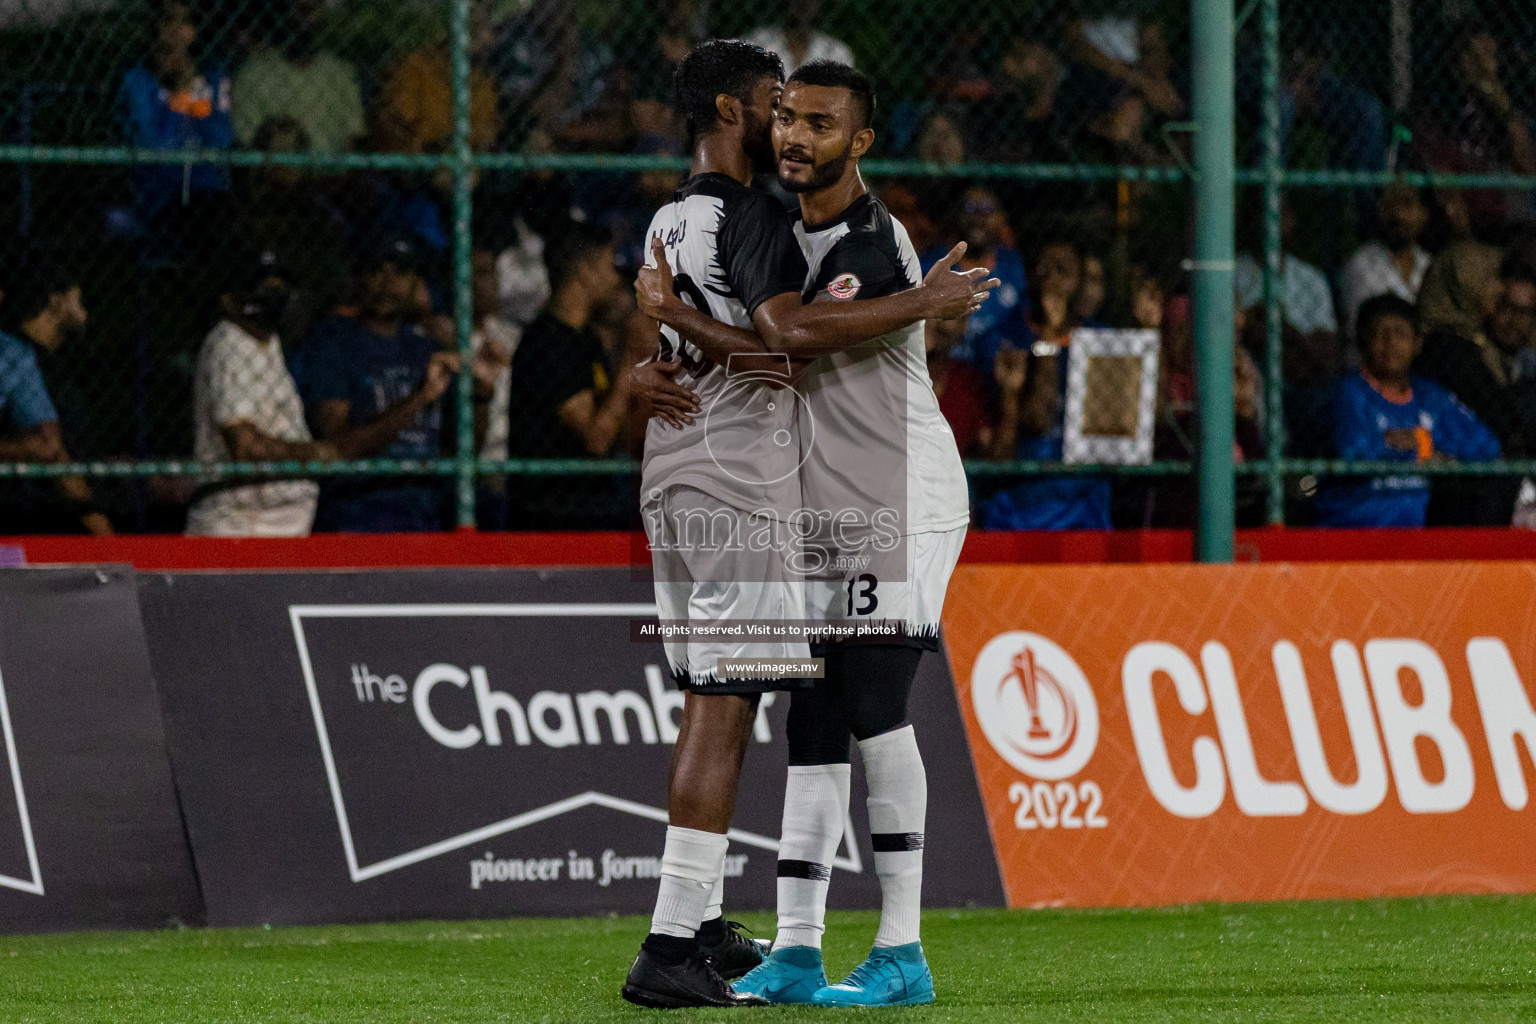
(1392, 157)
(398, 190)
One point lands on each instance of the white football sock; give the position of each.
(815, 814)
(691, 863)
(712, 909)
(898, 805)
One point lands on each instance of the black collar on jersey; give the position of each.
(855, 209)
(710, 183)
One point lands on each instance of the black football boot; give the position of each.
(665, 977)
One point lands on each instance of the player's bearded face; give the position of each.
(758, 141)
(801, 170)
(757, 118)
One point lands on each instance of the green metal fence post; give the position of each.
(1211, 58)
(1274, 427)
(463, 314)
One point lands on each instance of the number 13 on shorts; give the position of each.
(862, 599)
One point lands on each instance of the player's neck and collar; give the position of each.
(719, 152)
(826, 207)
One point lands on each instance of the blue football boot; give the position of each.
(889, 976)
(790, 975)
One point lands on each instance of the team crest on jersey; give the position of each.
(844, 286)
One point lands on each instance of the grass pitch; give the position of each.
(1444, 959)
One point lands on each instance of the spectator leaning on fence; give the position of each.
(44, 309)
(1384, 413)
(564, 403)
(1491, 372)
(1394, 263)
(293, 77)
(372, 385)
(169, 102)
(246, 408)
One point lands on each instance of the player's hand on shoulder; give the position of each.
(672, 403)
(653, 285)
(953, 294)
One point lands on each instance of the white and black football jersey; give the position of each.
(877, 444)
(731, 248)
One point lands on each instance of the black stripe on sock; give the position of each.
(896, 842)
(808, 869)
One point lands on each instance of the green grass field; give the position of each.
(1444, 959)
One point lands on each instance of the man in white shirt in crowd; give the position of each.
(522, 280)
(294, 76)
(796, 41)
(1394, 263)
(1309, 330)
(247, 409)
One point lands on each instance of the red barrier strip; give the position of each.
(349, 551)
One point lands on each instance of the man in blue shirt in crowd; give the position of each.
(25, 408)
(44, 307)
(1385, 414)
(1003, 317)
(372, 385)
(29, 425)
(168, 102)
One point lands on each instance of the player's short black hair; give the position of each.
(836, 75)
(1379, 307)
(39, 277)
(729, 66)
(569, 244)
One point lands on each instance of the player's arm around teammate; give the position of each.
(785, 324)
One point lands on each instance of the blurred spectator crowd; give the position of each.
(289, 311)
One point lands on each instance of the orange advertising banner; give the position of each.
(1169, 734)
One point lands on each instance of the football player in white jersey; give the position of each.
(712, 485)
(884, 478)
